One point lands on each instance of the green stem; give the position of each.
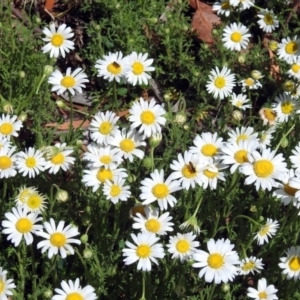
(22, 266)
(71, 117)
(198, 206)
(115, 101)
(33, 268)
(248, 218)
(152, 158)
(284, 136)
(212, 292)
(144, 286)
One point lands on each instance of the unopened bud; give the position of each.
(255, 74)
(167, 96)
(237, 115)
(284, 142)
(48, 70)
(87, 253)
(131, 178)
(22, 74)
(288, 86)
(61, 104)
(155, 140)
(84, 238)
(242, 58)
(7, 107)
(62, 196)
(23, 116)
(273, 45)
(153, 20)
(86, 219)
(180, 118)
(225, 287)
(147, 163)
(38, 20)
(48, 294)
(186, 127)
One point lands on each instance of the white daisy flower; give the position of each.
(60, 159)
(187, 170)
(34, 202)
(145, 250)
(250, 265)
(268, 115)
(250, 84)
(266, 231)
(116, 190)
(112, 67)
(30, 162)
(103, 127)
(21, 223)
(291, 263)
(210, 174)
(220, 83)
(101, 156)
(265, 137)
(58, 238)
(23, 193)
(8, 162)
(9, 126)
(294, 159)
(262, 169)
(294, 71)
(289, 49)
(159, 189)
(267, 20)
(95, 177)
(139, 68)
(222, 8)
(236, 36)
(72, 290)
(243, 4)
(148, 115)
(127, 143)
(207, 146)
(240, 101)
(72, 82)
(183, 246)
(242, 134)
(263, 291)
(235, 154)
(218, 264)
(285, 107)
(58, 40)
(6, 285)
(153, 222)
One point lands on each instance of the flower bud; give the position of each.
(284, 142)
(131, 178)
(7, 107)
(167, 96)
(186, 127)
(48, 70)
(87, 253)
(255, 74)
(22, 74)
(147, 163)
(61, 104)
(48, 294)
(62, 196)
(155, 140)
(38, 20)
(86, 219)
(180, 118)
(237, 115)
(84, 238)
(242, 58)
(79, 143)
(273, 45)
(288, 86)
(153, 20)
(225, 287)
(23, 116)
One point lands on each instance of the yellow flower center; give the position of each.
(2, 286)
(143, 251)
(263, 168)
(68, 82)
(58, 159)
(188, 172)
(34, 201)
(24, 225)
(58, 239)
(30, 162)
(210, 174)
(238, 103)
(152, 225)
(6, 128)
(236, 37)
(127, 145)
(57, 40)
(295, 68)
(287, 107)
(291, 48)
(104, 174)
(289, 190)
(160, 190)
(115, 190)
(147, 117)
(249, 81)
(242, 137)
(294, 263)
(209, 150)
(183, 246)
(241, 156)
(74, 296)
(270, 114)
(105, 159)
(248, 266)
(262, 295)
(220, 82)
(137, 68)
(114, 68)
(268, 19)
(225, 5)
(215, 260)
(5, 162)
(105, 128)
(264, 230)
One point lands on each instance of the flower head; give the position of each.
(5, 285)
(236, 36)
(267, 20)
(266, 231)
(289, 49)
(250, 265)
(291, 263)
(9, 126)
(263, 291)
(116, 190)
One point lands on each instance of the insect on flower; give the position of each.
(191, 167)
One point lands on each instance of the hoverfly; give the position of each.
(191, 167)
(116, 65)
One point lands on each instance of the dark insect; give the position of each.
(191, 168)
(116, 65)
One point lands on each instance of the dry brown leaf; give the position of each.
(203, 20)
(296, 7)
